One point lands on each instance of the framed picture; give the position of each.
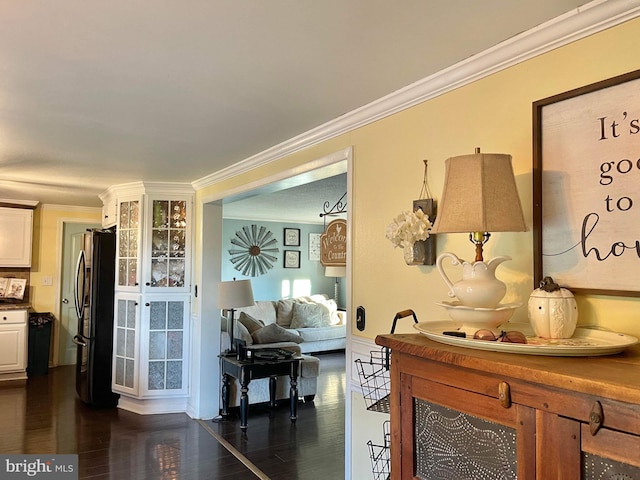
(291, 237)
(15, 288)
(314, 247)
(291, 259)
(586, 172)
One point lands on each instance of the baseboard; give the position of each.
(153, 406)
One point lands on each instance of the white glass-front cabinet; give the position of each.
(128, 231)
(153, 244)
(126, 346)
(151, 345)
(164, 335)
(166, 244)
(153, 286)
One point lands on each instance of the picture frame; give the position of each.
(291, 259)
(13, 288)
(314, 247)
(586, 169)
(291, 237)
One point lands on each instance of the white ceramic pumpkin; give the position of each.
(553, 311)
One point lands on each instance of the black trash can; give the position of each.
(39, 343)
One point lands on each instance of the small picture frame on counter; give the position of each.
(12, 288)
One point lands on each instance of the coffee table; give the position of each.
(246, 370)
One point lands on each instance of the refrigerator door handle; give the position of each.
(80, 286)
(79, 340)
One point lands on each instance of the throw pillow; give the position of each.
(274, 333)
(241, 332)
(309, 315)
(251, 323)
(284, 311)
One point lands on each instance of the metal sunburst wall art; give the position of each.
(256, 251)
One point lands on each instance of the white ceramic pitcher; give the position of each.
(479, 287)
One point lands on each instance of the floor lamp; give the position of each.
(232, 295)
(336, 272)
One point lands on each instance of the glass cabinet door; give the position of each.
(125, 375)
(168, 250)
(128, 239)
(166, 339)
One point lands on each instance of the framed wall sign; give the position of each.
(314, 247)
(333, 244)
(291, 259)
(291, 237)
(586, 173)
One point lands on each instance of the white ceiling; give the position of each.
(300, 204)
(96, 93)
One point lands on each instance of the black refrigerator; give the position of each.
(94, 298)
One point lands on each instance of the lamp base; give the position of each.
(480, 317)
(479, 239)
(230, 327)
(479, 287)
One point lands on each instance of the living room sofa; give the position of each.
(313, 322)
(314, 325)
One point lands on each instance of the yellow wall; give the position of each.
(494, 113)
(46, 250)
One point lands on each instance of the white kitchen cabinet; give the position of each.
(126, 344)
(164, 341)
(166, 264)
(154, 243)
(16, 227)
(13, 342)
(109, 210)
(151, 345)
(129, 233)
(153, 294)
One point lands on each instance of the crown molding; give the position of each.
(11, 203)
(574, 25)
(137, 188)
(71, 208)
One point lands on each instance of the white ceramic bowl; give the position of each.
(480, 317)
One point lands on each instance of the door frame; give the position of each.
(58, 275)
(204, 401)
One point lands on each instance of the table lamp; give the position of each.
(231, 295)
(336, 272)
(479, 197)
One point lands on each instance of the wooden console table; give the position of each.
(245, 371)
(485, 415)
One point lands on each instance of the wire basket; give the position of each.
(374, 374)
(380, 464)
(375, 380)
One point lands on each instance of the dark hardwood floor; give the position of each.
(47, 417)
(310, 449)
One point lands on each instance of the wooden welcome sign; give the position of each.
(333, 244)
